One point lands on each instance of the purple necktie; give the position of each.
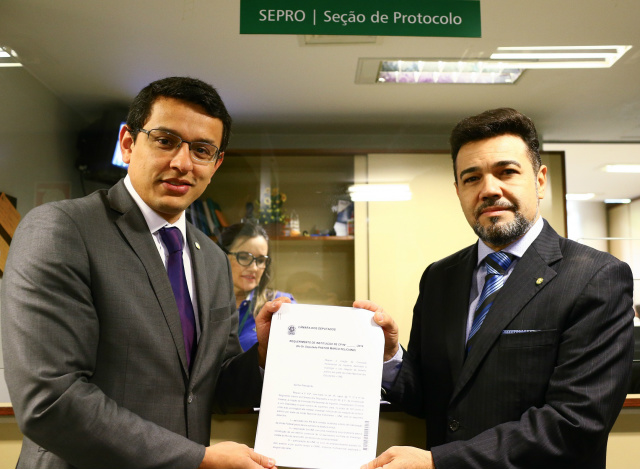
(172, 239)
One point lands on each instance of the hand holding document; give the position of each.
(321, 395)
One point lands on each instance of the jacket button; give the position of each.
(190, 399)
(454, 425)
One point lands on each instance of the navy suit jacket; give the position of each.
(549, 369)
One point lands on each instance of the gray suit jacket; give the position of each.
(549, 369)
(92, 342)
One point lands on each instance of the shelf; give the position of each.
(312, 238)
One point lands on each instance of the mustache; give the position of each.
(494, 203)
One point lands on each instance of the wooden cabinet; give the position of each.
(9, 219)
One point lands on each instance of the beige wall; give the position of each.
(587, 223)
(620, 227)
(405, 237)
(37, 139)
(624, 222)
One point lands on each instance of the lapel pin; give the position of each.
(539, 281)
(197, 245)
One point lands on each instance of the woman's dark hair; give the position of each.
(238, 233)
(186, 89)
(494, 123)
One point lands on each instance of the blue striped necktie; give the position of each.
(497, 264)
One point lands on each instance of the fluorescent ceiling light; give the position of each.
(379, 192)
(445, 71)
(617, 201)
(580, 196)
(9, 58)
(560, 57)
(504, 66)
(622, 168)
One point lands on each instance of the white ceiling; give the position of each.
(94, 54)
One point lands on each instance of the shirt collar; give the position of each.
(248, 299)
(154, 221)
(519, 247)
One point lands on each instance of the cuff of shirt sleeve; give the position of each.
(391, 368)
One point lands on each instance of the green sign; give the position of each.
(444, 18)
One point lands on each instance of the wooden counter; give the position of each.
(632, 401)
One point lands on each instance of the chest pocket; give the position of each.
(528, 339)
(526, 361)
(218, 314)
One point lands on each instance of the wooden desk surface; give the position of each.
(632, 400)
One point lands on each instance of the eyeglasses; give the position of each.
(201, 152)
(246, 259)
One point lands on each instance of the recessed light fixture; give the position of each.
(504, 66)
(617, 201)
(443, 71)
(622, 168)
(560, 57)
(587, 196)
(9, 57)
(379, 192)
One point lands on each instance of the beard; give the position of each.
(502, 234)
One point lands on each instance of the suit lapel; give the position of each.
(135, 229)
(199, 271)
(202, 284)
(521, 286)
(456, 320)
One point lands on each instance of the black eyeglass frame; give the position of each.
(213, 159)
(267, 259)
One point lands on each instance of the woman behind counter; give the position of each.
(247, 246)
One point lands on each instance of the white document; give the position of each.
(321, 395)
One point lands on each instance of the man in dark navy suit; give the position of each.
(522, 360)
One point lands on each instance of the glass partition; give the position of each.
(304, 204)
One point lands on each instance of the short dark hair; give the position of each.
(187, 89)
(494, 123)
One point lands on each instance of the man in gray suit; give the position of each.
(523, 360)
(103, 370)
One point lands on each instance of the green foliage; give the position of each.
(271, 206)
